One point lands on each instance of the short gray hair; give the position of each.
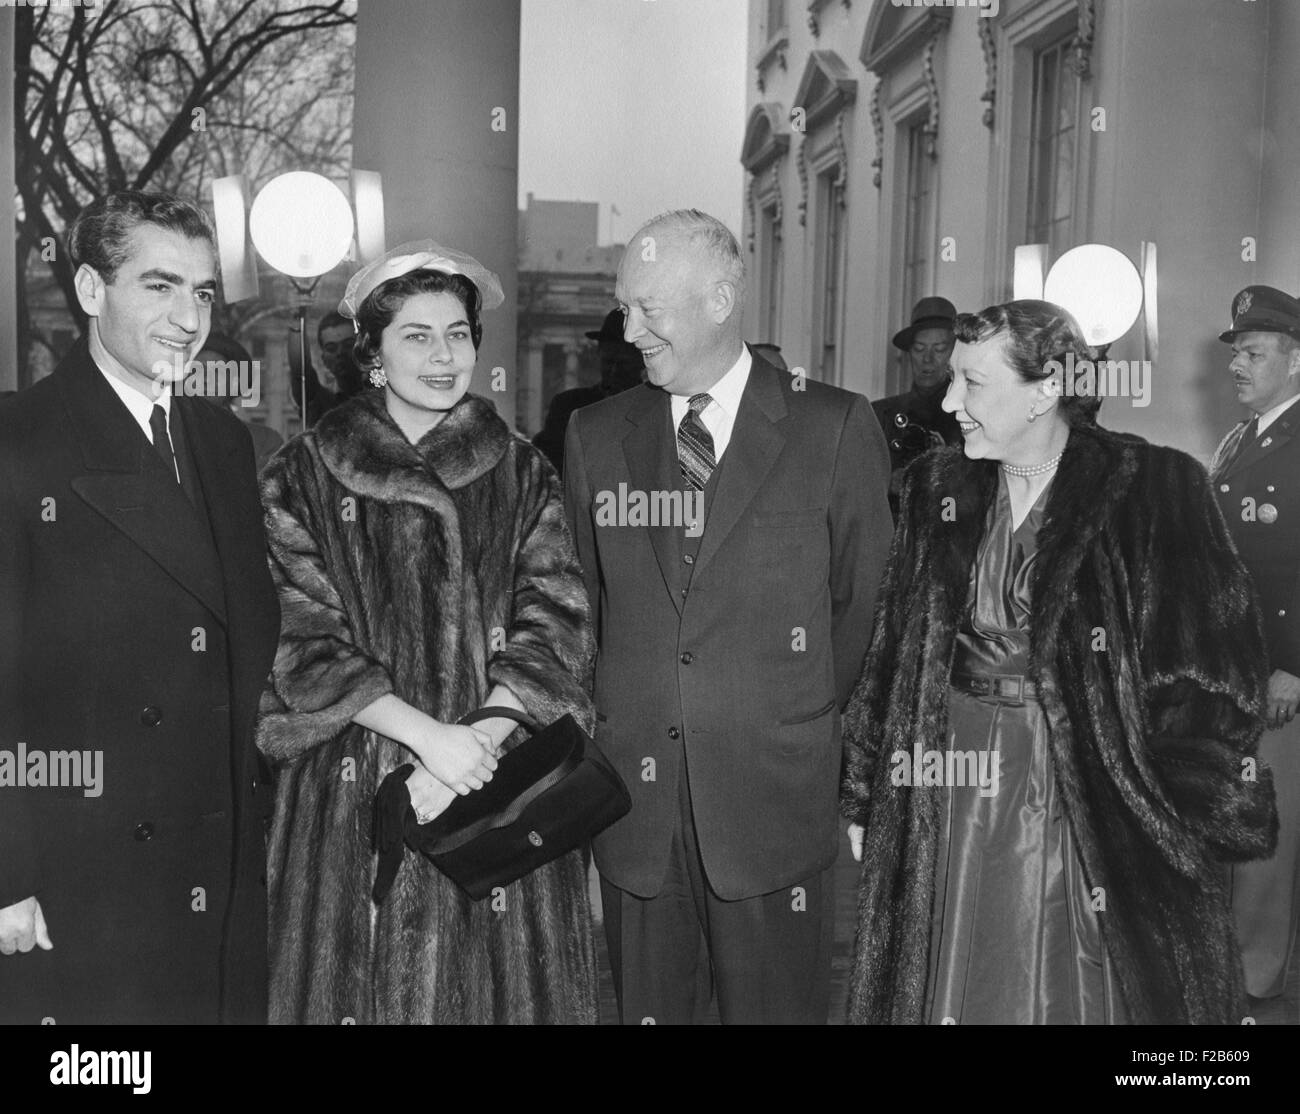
(710, 235)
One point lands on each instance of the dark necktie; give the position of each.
(161, 441)
(695, 445)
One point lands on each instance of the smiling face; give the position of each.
(991, 403)
(679, 313)
(1264, 373)
(153, 318)
(428, 355)
(930, 352)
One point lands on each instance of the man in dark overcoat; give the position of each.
(138, 624)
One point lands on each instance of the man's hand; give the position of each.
(856, 832)
(1283, 698)
(22, 927)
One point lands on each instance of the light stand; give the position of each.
(304, 292)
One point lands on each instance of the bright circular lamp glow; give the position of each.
(1101, 287)
(301, 224)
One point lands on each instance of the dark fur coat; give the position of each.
(433, 572)
(1149, 738)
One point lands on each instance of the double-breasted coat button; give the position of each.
(143, 832)
(151, 716)
(534, 839)
(687, 658)
(690, 560)
(673, 733)
(1224, 488)
(1271, 489)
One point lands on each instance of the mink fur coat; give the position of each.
(433, 571)
(1153, 737)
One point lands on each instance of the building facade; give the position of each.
(566, 287)
(897, 149)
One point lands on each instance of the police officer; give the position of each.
(915, 421)
(1256, 477)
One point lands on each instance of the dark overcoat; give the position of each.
(433, 572)
(131, 628)
(1147, 650)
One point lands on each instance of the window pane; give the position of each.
(1052, 162)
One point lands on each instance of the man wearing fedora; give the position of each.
(915, 421)
(621, 367)
(1256, 478)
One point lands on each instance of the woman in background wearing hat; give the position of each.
(424, 570)
(1052, 746)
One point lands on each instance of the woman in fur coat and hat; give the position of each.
(424, 571)
(1051, 750)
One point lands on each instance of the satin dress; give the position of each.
(1015, 939)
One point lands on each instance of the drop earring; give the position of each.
(377, 376)
(1033, 413)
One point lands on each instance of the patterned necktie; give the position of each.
(161, 441)
(695, 445)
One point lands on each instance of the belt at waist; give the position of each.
(1008, 688)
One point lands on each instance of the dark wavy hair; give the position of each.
(376, 313)
(1038, 334)
(100, 236)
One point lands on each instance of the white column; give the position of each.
(437, 114)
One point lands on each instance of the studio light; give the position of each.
(301, 224)
(1101, 287)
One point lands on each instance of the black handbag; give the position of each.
(548, 795)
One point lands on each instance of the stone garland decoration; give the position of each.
(988, 43)
(878, 129)
(842, 159)
(1081, 61)
(801, 165)
(814, 6)
(932, 95)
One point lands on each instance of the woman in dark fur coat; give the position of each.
(424, 570)
(1052, 747)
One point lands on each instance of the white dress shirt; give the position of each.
(719, 417)
(140, 407)
(1267, 418)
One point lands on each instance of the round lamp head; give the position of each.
(301, 224)
(1101, 287)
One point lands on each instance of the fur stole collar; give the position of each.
(1093, 480)
(366, 452)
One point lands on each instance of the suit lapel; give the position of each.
(756, 442)
(1270, 441)
(650, 450)
(126, 482)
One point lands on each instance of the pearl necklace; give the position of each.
(1025, 470)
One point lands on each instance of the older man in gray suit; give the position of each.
(732, 525)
